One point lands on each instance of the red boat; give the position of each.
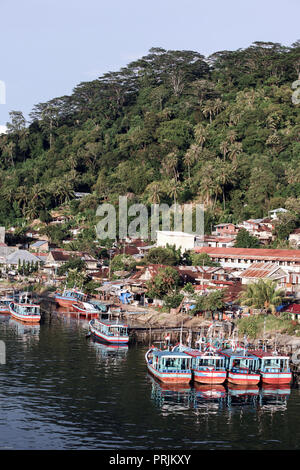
(273, 368)
(69, 297)
(241, 367)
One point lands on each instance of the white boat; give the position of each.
(109, 332)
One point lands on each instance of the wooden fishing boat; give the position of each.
(4, 303)
(86, 309)
(169, 366)
(241, 366)
(25, 312)
(208, 367)
(109, 332)
(68, 297)
(273, 368)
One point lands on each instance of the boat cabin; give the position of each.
(111, 329)
(271, 362)
(27, 309)
(207, 360)
(240, 359)
(168, 361)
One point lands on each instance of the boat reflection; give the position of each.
(274, 396)
(25, 331)
(212, 398)
(109, 351)
(170, 397)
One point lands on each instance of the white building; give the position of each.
(184, 241)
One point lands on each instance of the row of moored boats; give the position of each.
(236, 365)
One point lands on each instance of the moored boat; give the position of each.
(68, 297)
(4, 303)
(273, 368)
(169, 366)
(85, 308)
(208, 367)
(109, 332)
(25, 312)
(241, 367)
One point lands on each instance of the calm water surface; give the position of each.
(61, 390)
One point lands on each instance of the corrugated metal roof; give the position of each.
(251, 253)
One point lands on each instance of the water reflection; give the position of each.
(174, 398)
(109, 352)
(25, 331)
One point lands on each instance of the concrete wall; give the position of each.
(182, 240)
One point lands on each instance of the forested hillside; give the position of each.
(171, 126)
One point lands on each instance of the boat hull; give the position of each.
(276, 378)
(170, 377)
(107, 338)
(4, 310)
(209, 377)
(26, 318)
(243, 379)
(86, 313)
(64, 302)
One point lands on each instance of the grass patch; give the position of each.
(253, 326)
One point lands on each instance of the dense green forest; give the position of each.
(173, 126)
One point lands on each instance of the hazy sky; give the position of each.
(49, 46)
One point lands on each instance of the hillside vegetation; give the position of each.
(173, 126)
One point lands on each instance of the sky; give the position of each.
(49, 46)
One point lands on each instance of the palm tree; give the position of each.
(262, 295)
(209, 110)
(224, 147)
(155, 192)
(200, 135)
(190, 157)
(169, 164)
(173, 189)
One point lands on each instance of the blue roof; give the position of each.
(169, 354)
(39, 243)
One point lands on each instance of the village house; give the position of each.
(243, 258)
(226, 230)
(259, 229)
(218, 241)
(18, 257)
(184, 241)
(58, 257)
(263, 271)
(294, 238)
(274, 213)
(41, 246)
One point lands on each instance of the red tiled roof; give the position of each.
(251, 253)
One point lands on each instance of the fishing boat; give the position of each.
(208, 367)
(109, 332)
(241, 366)
(273, 368)
(69, 296)
(85, 308)
(169, 366)
(4, 303)
(25, 311)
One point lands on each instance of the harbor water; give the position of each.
(61, 390)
